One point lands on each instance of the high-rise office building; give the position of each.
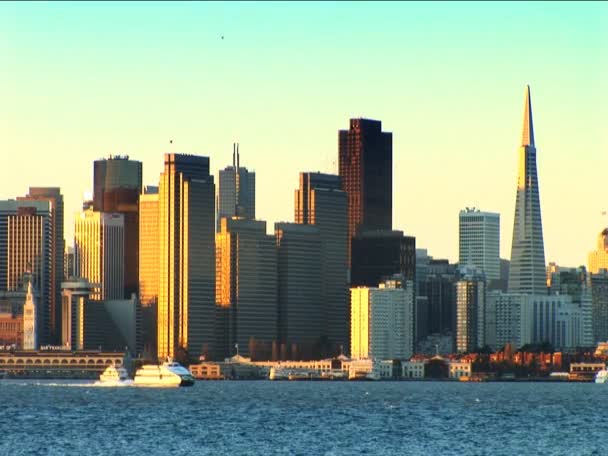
(321, 202)
(246, 288)
(527, 271)
(186, 294)
(299, 282)
(523, 319)
(599, 306)
(149, 256)
(598, 259)
(23, 247)
(382, 321)
(29, 256)
(377, 255)
(236, 191)
(470, 312)
(99, 252)
(55, 198)
(366, 170)
(117, 184)
(479, 241)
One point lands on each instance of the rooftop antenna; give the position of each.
(238, 159)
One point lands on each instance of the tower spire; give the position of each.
(527, 134)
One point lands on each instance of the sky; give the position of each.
(82, 81)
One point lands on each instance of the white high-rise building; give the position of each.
(479, 241)
(99, 252)
(533, 319)
(382, 321)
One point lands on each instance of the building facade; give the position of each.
(246, 289)
(479, 241)
(117, 184)
(30, 258)
(527, 270)
(382, 321)
(149, 267)
(300, 309)
(321, 202)
(598, 259)
(53, 196)
(236, 191)
(99, 251)
(377, 255)
(366, 172)
(186, 295)
(470, 313)
(599, 293)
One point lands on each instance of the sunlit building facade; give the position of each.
(149, 267)
(236, 191)
(99, 252)
(598, 259)
(527, 272)
(53, 196)
(382, 321)
(321, 202)
(470, 312)
(29, 257)
(246, 289)
(479, 241)
(30, 333)
(186, 294)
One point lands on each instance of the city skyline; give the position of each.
(447, 131)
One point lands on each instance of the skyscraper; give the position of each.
(236, 191)
(149, 256)
(29, 256)
(186, 295)
(246, 288)
(117, 183)
(22, 244)
(55, 198)
(99, 251)
(527, 273)
(366, 170)
(299, 283)
(320, 201)
(470, 312)
(479, 241)
(382, 321)
(599, 306)
(598, 259)
(377, 255)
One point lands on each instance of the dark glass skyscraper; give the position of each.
(319, 201)
(378, 255)
(117, 183)
(366, 170)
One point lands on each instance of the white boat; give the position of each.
(602, 376)
(114, 376)
(168, 373)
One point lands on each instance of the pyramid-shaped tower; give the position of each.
(527, 271)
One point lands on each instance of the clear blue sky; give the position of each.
(80, 81)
